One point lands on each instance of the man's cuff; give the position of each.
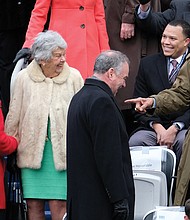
(142, 14)
(154, 102)
(179, 125)
(151, 124)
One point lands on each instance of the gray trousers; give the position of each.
(148, 138)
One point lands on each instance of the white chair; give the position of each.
(153, 170)
(150, 191)
(166, 213)
(21, 64)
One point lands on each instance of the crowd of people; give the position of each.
(75, 109)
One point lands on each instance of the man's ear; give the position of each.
(187, 41)
(111, 74)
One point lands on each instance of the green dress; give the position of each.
(46, 182)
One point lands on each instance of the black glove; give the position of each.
(121, 210)
(143, 2)
(23, 53)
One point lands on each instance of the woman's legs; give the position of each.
(35, 209)
(57, 208)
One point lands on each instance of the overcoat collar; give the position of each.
(101, 84)
(36, 74)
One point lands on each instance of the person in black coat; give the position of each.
(100, 179)
(153, 77)
(165, 4)
(155, 22)
(14, 18)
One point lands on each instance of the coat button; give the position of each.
(82, 26)
(81, 8)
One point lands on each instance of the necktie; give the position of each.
(173, 73)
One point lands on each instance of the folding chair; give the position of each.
(150, 191)
(21, 64)
(166, 213)
(162, 161)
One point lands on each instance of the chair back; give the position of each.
(153, 171)
(150, 191)
(166, 213)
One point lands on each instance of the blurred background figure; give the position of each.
(154, 23)
(81, 23)
(37, 114)
(14, 18)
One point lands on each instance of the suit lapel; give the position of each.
(162, 70)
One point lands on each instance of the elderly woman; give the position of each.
(38, 112)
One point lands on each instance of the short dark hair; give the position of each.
(187, 208)
(184, 24)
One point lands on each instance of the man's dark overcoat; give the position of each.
(98, 158)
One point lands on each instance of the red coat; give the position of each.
(8, 145)
(82, 25)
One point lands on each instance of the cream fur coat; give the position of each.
(35, 98)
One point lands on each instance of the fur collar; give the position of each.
(35, 73)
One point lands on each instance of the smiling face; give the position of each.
(54, 66)
(173, 41)
(119, 80)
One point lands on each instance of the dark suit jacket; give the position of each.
(165, 4)
(156, 22)
(98, 159)
(151, 79)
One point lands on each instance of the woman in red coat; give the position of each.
(8, 145)
(81, 23)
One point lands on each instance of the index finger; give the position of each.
(133, 100)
